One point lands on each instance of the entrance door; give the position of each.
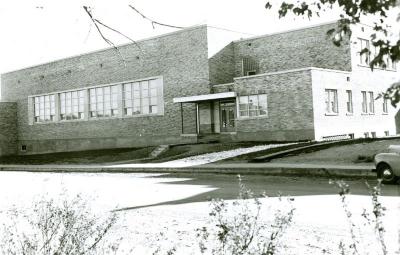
(227, 112)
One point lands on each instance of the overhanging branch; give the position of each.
(153, 22)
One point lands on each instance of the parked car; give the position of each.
(388, 165)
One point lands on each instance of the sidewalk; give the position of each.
(354, 170)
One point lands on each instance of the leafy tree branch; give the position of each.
(352, 13)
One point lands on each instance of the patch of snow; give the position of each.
(107, 191)
(319, 222)
(319, 225)
(204, 158)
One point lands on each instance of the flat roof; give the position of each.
(206, 97)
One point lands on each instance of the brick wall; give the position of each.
(227, 87)
(8, 128)
(180, 58)
(307, 47)
(290, 107)
(222, 66)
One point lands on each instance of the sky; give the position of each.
(38, 31)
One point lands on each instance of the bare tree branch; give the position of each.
(153, 22)
(95, 22)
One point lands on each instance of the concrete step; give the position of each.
(158, 150)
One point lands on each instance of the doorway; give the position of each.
(227, 113)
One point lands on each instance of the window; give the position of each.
(385, 105)
(141, 98)
(103, 101)
(371, 104)
(364, 57)
(368, 102)
(389, 63)
(44, 108)
(364, 102)
(349, 103)
(253, 105)
(387, 133)
(331, 101)
(249, 66)
(131, 98)
(72, 105)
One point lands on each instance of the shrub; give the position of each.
(66, 226)
(374, 219)
(239, 229)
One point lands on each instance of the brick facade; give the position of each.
(180, 58)
(293, 69)
(294, 49)
(222, 66)
(290, 107)
(8, 128)
(302, 48)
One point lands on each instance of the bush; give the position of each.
(373, 220)
(67, 226)
(239, 229)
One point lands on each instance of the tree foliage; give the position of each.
(352, 12)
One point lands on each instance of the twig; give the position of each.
(109, 42)
(118, 32)
(153, 22)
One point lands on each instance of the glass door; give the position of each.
(227, 113)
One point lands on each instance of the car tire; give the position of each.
(386, 174)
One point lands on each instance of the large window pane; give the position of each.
(144, 98)
(104, 101)
(72, 105)
(253, 105)
(331, 101)
(44, 108)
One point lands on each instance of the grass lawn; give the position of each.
(342, 154)
(80, 157)
(135, 155)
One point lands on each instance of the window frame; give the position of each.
(105, 106)
(57, 119)
(385, 109)
(364, 59)
(81, 113)
(367, 103)
(371, 103)
(49, 105)
(147, 101)
(258, 108)
(349, 103)
(329, 108)
(364, 102)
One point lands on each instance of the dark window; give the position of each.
(249, 66)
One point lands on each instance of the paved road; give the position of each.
(227, 186)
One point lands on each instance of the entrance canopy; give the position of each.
(207, 97)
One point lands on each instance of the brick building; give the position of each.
(293, 85)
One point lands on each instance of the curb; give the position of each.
(207, 169)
